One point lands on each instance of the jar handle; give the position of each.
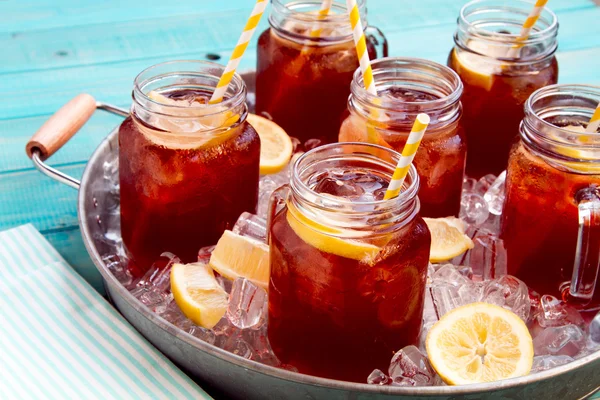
(587, 254)
(276, 202)
(376, 38)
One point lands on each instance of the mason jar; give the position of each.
(499, 74)
(551, 218)
(407, 87)
(348, 269)
(304, 67)
(187, 169)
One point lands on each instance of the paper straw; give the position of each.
(408, 154)
(594, 122)
(361, 46)
(323, 13)
(534, 15)
(238, 52)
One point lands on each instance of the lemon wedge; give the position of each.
(198, 294)
(448, 238)
(474, 68)
(240, 256)
(323, 238)
(479, 342)
(275, 145)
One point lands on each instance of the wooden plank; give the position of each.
(18, 17)
(22, 16)
(198, 34)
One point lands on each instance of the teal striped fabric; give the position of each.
(59, 339)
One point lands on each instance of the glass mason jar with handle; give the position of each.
(551, 218)
(407, 87)
(187, 169)
(305, 65)
(498, 77)
(348, 269)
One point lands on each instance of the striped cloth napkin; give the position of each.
(59, 339)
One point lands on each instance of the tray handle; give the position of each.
(61, 127)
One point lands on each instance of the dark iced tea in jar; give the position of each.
(187, 170)
(303, 81)
(498, 78)
(407, 87)
(551, 218)
(348, 269)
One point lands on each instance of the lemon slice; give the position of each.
(479, 342)
(475, 69)
(448, 238)
(275, 145)
(240, 256)
(321, 237)
(198, 294)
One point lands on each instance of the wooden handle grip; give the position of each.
(62, 126)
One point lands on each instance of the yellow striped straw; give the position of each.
(594, 122)
(238, 52)
(534, 15)
(408, 155)
(361, 46)
(323, 13)
(360, 43)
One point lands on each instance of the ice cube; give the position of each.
(377, 377)
(225, 283)
(495, 195)
(267, 185)
(566, 340)
(204, 254)
(237, 345)
(473, 209)
(337, 187)
(119, 268)
(488, 257)
(543, 363)
(484, 183)
(206, 335)
(595, 329)
(448, 274)
(158, 277)
(409, 367)
(510, 293)
(247, 305)
(468, 185)
(555, 312)
(251, 225)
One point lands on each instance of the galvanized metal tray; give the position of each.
(226, 375)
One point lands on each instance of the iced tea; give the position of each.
(551, 218)
(407, 87)
(497, 78)
(187, 170)
(348, 270)
(303, 82)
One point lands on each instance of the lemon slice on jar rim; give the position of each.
(479, 342)
(324, 238)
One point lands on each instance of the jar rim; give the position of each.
(381, 65)
(562, 136)
(288, 10)
(535, 36)
(368, 153)
(193, 69)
